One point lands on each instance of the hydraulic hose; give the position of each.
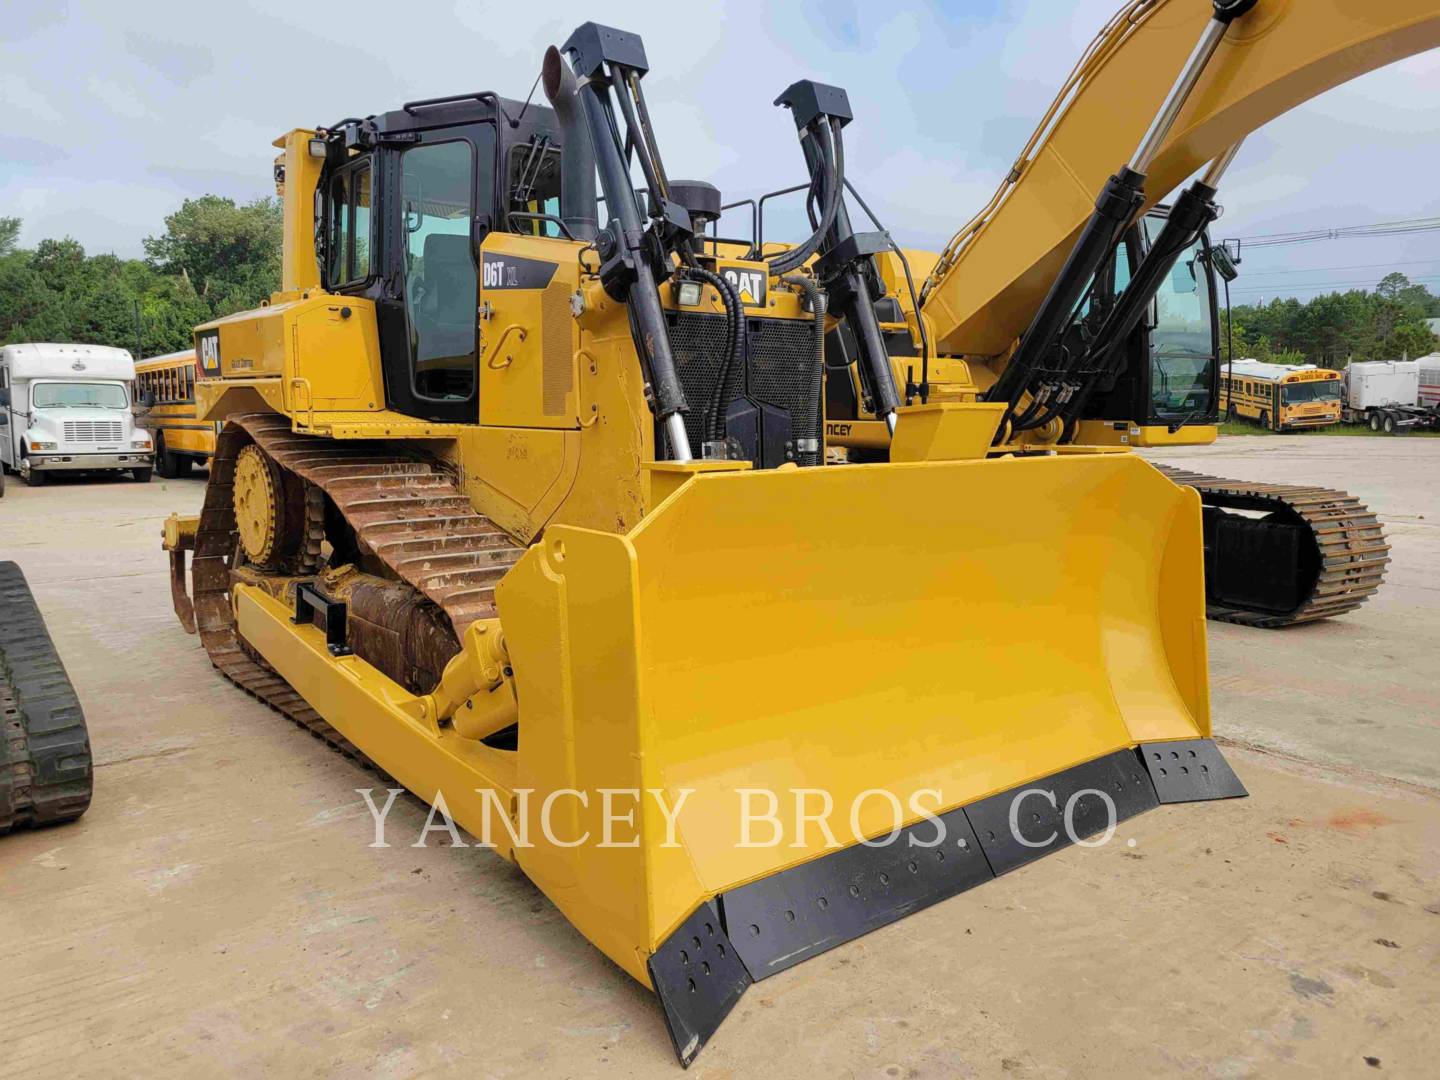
(735, 347)
(832, 180)
(817, 302)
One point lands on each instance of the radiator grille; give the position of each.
(93, 431)
(782, 372)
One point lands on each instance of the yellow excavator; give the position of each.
(746, 595)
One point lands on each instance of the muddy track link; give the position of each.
(46, 772)
(1351, 545)
(403, 505)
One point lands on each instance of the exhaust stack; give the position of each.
(577, 163)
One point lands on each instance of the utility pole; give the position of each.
(139, 340)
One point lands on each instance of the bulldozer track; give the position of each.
(403, 505)
(1353, 550)
(46, 771)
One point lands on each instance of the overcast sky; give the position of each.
(115, 112)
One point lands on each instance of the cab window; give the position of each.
(1182, 342)
(533, 185)
(348, 226)
(441, 286)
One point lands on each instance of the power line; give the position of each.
(1353, 283)
(1310, 291)
(1247, 274)
(1280, 291)
(1310, 236)
(1327, 282)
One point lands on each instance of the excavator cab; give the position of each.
(1171, 373)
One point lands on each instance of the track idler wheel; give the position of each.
(269, 509)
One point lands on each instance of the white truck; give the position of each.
(1385, 394)
(68, 407)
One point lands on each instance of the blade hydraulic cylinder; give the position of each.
(846, 265)
(602, 57)
(858, 309)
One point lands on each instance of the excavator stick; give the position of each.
(769, 719)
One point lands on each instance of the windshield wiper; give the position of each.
(1175, 425)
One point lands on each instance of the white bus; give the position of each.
(68, 407)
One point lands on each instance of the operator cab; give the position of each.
(1172, 372)
(404, 203)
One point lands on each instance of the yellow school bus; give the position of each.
(1281, 397)
(165, 391)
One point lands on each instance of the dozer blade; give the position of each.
(971, 652)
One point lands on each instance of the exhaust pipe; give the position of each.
(577, 163)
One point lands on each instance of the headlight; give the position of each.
(41, 445)
(140, 443)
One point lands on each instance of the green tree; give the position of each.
(1337, 328)
(229, 254)
(1411, 339)
(214, 258)
(1392, 285)
(9, 234)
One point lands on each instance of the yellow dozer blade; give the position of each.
(955, 657)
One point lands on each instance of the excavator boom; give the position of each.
(997, 269)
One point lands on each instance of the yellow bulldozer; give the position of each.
(752, 595)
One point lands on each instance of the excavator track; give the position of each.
(403, 505)
(46, 771)
(1350, 547)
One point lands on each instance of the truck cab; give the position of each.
(66, 407)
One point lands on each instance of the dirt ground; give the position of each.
(218, 910)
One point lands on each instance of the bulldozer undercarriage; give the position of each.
(1313, 553)
(399, 507)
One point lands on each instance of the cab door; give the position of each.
(437, 212)
(8, 430)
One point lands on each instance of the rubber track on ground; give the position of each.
(403, 505)
(46, 772)
(1352, 545)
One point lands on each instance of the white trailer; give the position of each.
(1430, 380)
(68, 407)
(1385, 394)
(1376, 384)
